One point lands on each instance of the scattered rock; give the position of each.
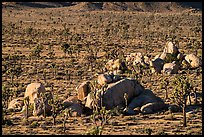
(171, 68)
(74, 104)
(16, 104)
(171, 48)
(83, 90)
(118, 64)
(104, 79)
(193, 60)
(70, 100)
(33, 91)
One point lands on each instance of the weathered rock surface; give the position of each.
(107, 78)
(104, 79)
(38, 105)
(171, 68)
(83, 90)
(114, 95)
(171, 48)
(73, 104)
(193, 60)
(147, 101)
(16, 104)
(33, 91)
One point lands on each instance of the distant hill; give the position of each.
(110, 6)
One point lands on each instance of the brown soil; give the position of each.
(146, 34)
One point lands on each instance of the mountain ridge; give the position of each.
(110, 6)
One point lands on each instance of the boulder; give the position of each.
(16, 104)
(104, 79)
(157, 56)
(130, 58)
(137, 60)
(39, 105)
(116, 64)
(109, 65)
(146, 60)
(89, 100)
(70, 100)
(107, 78)
(157, 65)
(171, 48)
(147, 101)
(171, 68)
(73, 104)
(117, 72)
(83, 90)
(76, 110)
(33, 91)
(114, 94)
(180, 57)
(193, 60)
(152, 107)
(163, 55)
(119, 65)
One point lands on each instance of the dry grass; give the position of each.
(101, 30)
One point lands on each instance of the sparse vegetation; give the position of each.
(182, 89)
(64, 47)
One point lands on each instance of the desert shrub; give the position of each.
(37, 50)
(182, 89)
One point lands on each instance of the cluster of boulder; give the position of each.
(168, 62)
(113, 95)
(115, 66)
(137, 58)
(33, 92)
(110, 97)
(113, 87)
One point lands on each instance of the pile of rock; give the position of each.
(171, 59)
(113, 96)
(116, 66)
(33, 92)
(137, 58)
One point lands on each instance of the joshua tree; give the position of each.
(65, 48)
(164, 85)
(126, 102)
(54, 71)
(6, 95)
(51, 52)
(37, 51)
(100, 115)
(44, 76)
(44, 97)
(182, 89)
(26, 102)
(54, 102)
(66, 116)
